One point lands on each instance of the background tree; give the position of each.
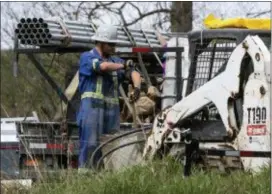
(181, 16)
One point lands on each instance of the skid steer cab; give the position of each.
(222, 119)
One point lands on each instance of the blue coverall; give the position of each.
(99, 109)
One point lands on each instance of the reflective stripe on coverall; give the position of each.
(99, 109)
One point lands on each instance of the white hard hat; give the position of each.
(106, 33)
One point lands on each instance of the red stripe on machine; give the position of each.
(54, 146)
(246, 153)
(141, 50)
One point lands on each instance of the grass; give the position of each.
(158, 177)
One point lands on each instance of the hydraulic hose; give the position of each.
(113, 139)
(116, 148)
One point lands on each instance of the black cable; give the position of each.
(112, 139)
(116, 148)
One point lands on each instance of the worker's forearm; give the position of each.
(136, 79)
(108, 66)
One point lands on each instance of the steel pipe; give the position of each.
(70, 23)
(23, 41)
(89, 40)
(88, 25)
(85, 30)
(28, 31)
(43, 35)
(34, 31)
(74, 32)
(74, 23)
(25, 25)
(89, 33)
(34, 41)
(135, 33)
(22, 20)
(29, 41)
(40, 41)
(121, 35)
(34, 20)
(38, 36)
(19, 25)
(57, 26)
(72, 44)
(41, 30)
(37, 25)
(83, 38)
(22, 31)
(28, 20)
(74, 38)
(89, 28)
(31, 25)
(16, 31)
(25, 36)
(46, 30)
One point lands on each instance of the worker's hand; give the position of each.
(135, 95)
(129, 64)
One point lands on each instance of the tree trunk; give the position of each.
(181, 16)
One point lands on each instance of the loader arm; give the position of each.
(220, 91)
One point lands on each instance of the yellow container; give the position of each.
(249, 23)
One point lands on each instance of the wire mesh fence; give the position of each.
(210, 59)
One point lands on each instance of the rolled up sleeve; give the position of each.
(88, 64)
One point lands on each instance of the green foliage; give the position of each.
(29, 91)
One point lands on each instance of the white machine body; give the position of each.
(254, 132)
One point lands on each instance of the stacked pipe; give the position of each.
(44, 32)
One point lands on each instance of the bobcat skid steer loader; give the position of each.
(223, 120)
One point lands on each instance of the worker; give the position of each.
(100, 75)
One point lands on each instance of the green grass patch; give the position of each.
(157, 177)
